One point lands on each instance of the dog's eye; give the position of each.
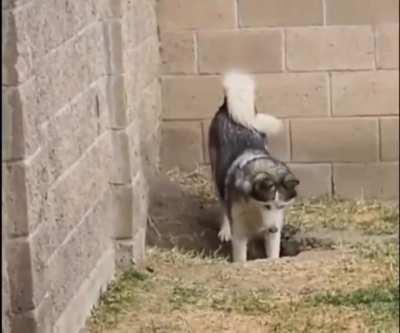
(267, 186)
(290, 184)
(268, 206)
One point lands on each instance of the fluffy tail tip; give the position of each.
(240, 91)
(238, 79)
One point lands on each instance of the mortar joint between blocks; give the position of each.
(324, 11)
(290, 140)
(236, 10)
(330, 93)
(284, 51)
(332, 180)
(196, 52)
(374, 36)
(380, 155)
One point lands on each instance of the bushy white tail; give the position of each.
(240, 93)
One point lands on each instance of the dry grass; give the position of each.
(196, 183)
(345, 290)
(353, 288)
(368, 216)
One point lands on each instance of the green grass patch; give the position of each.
(118, 299)
(382, 250)
(370, 217)
(182, 295)
(245, 301)
(249, 302)
(380, 302)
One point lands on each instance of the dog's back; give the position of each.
(227, 140)
(237, 126)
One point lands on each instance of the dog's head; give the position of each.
(274, 185)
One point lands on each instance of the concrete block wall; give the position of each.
(328, 68)
(135, 100)
(5, 287)
(81, 103)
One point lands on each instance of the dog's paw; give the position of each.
(224, 234)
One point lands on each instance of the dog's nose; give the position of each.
(272, 230)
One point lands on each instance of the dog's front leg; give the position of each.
(225, 231)
(239, 235)
(273, 219)
(239, 248)
(273, 243)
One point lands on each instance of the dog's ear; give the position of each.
(242, 183)
(262, 180)
(262, 186)
(290, 181)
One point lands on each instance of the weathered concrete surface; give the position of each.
(5, 289)
(89, 292)
(82, 107)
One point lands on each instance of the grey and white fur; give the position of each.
(253, 187)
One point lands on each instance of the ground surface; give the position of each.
(344, 277)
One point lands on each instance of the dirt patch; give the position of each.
(343, 276)
(345, 290)
(218, 321)
(180, 219)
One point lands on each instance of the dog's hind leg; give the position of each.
(225, 234)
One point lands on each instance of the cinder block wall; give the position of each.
(81, 103)
(329, 68)
(135, 102)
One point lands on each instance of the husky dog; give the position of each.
(253, 187)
